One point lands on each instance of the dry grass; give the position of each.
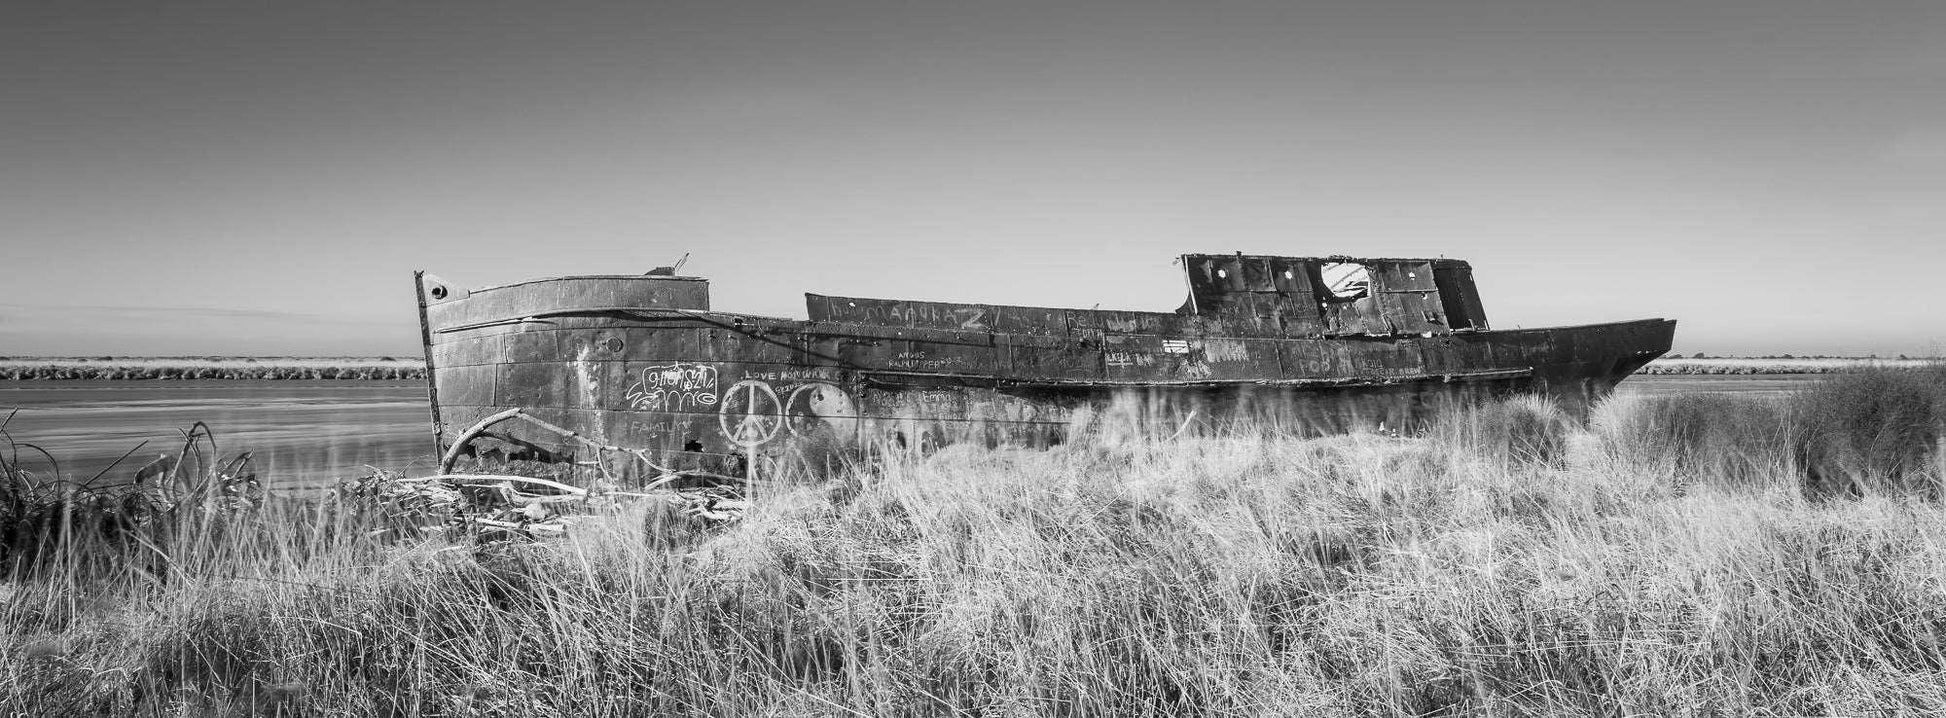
(1666, 559)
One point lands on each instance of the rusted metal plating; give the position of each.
(1325, 343)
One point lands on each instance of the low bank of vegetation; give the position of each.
(1777, 365)
(1712, 555)
(185, 368)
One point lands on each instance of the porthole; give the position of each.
(438, 292)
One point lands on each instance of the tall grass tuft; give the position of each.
(1722, 440)
(1517, 431)
(53, 522)
(1875, 431)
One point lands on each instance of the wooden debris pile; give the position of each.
(508, 507)
(490, 499)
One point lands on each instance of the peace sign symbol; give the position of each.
(750, 413)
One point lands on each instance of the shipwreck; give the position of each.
(643, 364)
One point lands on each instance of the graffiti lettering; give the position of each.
(658, 428)
(676, 387)
(1128, 359)
(915, 314)
(793, 375)
(919, 360)
(971, 318)
(1391, 372)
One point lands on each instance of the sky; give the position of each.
(262, 178)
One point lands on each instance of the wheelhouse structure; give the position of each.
(1322, 344)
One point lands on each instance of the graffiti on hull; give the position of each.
(754, 412)
(676, 387)
(751, 414)
(822, 409)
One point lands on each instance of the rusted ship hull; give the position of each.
(643, 362)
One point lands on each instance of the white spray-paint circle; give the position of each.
(750, 413)
(822, 404)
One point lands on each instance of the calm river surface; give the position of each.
(298, 431)
(309, 432)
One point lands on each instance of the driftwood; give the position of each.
(479, 428)
(532, 507)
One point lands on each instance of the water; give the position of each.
(299, 432)
(310, 432)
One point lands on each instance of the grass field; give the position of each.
(1712, 555)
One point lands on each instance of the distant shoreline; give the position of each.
(413, 368)
(213, 367)
(1773, 365)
